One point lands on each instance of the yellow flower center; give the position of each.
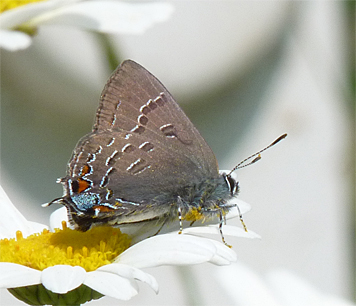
(96, 247)
(11, 4)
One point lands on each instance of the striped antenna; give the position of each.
(257, 154)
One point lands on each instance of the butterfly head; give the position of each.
(231, 182)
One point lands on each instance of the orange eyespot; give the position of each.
(103, 208)
(85, 170)
(82, 185)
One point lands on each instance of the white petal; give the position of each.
(228, 230)
(111, 285)
(168, 249)
(63, 278)
(14, 40)
(224, 255)
(11, 220)
(109, 16)
(245, 287)
(13, 275)
(131, 272)
(21, 14)
(56, 218)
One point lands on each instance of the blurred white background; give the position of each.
(245, 73)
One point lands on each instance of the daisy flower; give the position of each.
(20, 19)
(67, 267)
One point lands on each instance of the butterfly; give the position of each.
(144, 161)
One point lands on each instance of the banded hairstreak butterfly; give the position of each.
(144, 161)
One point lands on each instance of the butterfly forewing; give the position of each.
(133, 100)
(142, 143)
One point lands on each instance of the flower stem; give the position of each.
(112, 55)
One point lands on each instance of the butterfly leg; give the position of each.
(179, 203)
(240, 215)
(180, 218)
(222, 217)
(241, 220)
(222, 221)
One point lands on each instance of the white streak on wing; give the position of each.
(133, 164)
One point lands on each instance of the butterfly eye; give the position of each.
(232, 184)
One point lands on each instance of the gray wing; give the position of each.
(142, 143)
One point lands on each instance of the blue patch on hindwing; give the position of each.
(85, 201)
